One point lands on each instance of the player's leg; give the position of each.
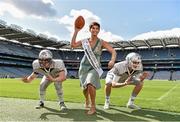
(92, 94)
(59, 92)
(111, 79)
(137, 80)
(107, 89)
(107, 95)
(133, 96)
(42, 91)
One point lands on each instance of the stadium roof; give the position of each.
(15, 32)
(149, 43)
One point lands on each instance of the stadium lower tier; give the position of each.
(16, 60)
(17, 72)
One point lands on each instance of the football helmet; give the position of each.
(45, 58)
(133, 60)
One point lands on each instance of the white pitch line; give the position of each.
(167, 93)
(147, 99)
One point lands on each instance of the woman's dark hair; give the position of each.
(94, 23)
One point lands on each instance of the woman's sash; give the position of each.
(91, 57)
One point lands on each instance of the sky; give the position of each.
(119, 19)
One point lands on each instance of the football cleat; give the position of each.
(132, 106)
(40, 105)
(62, 106)
(106, 104)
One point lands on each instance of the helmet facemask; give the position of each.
(45, 58)
(134, 60)
(134, 64)
(45, 63)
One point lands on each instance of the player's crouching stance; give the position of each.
(128, 72)
(53, 71)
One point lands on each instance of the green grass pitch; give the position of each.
(159, 101)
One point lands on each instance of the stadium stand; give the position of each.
(176, 75)
(162, 74)
(18, 48)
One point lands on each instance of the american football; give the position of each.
(79, 22)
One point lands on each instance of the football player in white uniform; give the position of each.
(128, 72)
(53, 71)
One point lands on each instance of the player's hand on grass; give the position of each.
(25, 79)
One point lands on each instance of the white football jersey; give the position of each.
(122, 67)
(56, 67)
(119, 73)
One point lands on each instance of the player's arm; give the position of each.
(61, 77)
(144, 75)
(28, 79)
(107, 46)
(118, 85)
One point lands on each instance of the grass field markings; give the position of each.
(21, 90)
(122, 111)
(167, 93)
(147, 99)
(139, 117)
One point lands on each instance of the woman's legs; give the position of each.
(92, 93)
(86, 95)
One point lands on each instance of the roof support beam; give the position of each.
(163, 42)
(147, 43)
(130, 43)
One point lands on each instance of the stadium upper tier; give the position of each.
(15, 32)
